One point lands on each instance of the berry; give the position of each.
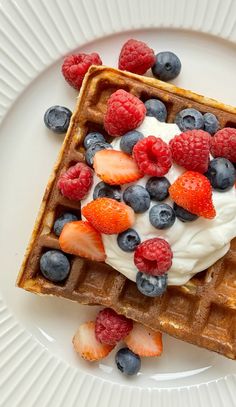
(189, 119)
(54, 266)
(128, 240)
(184, 215)
(221, 174)
(92, 150)
(81, 239)
(110, 327)
(153, 156)
(57, 119)
(125, 112)
(191, 150)
(162, 216)
(86, 344)
(136, 57)
(76, 182)
(193, 192)
(62, 220)
(93, 138)
(137, 197)
(129, 140)
(151, 286)
(158, 188)
(167, 66)
(224, 144)
(75, 67)
(156, 108)
(153, 256)
(102, 190)
(115, 167)
(144, 341)
(211, 123)
(109, 216)
(127, 362)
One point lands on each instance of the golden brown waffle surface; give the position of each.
(203, 311)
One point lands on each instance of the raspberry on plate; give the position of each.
(153, 256)
(191, 149)
(111, 327)
(193, 192)
(153, 156)
(75, 67)
(76, 182)
(136, 57)
(124, 112)
(224, 144)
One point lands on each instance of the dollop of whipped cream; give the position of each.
(195, 245)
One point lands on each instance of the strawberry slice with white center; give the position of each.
(144, 341)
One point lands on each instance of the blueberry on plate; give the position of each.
(162, 216)
(128, 362)
(93, 138)
(184, 215)
(137, 197)
(157, 109)
(151, 286)
(221, 174)
(128, 240)
(102, 190)
(211, 123)
(57, 119)
(91, 151)
(54, 266)
(158, 188)
(167, 66)
(128, 140)
(62, 220)
(189, 119)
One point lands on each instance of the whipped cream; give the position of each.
(195, 245)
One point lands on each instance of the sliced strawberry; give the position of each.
(81, 239)
(144, 341)
(86, 344)
(116, 167)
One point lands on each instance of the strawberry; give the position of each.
(116, 167)
(144, 341)
(81, 239)
(86, 344)
(193, 192)
(109, 216)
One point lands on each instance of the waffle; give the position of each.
(203, 311)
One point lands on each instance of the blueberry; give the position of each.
(91, 151)
(128, 240)
(189, 119)
(158, 188)
(57, 119)
(93, 138)
(167, 66)
(157, 109)
(211, 123)
(62, 220)
(104, 190)
(151, 286)
(162, 216)
(137, 197)
(221, 174)
(184, 215)
(54, 266)
(128, 362)
(129, 140)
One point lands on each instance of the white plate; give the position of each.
(37, 364)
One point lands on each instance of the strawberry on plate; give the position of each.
(144, 341)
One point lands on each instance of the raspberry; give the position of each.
(110, 327)
(124, 112)
(224, 144)
(153, 256)
(191, 150)
(153, 156)
(76, 182)
(75, 67)
(136, 57)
